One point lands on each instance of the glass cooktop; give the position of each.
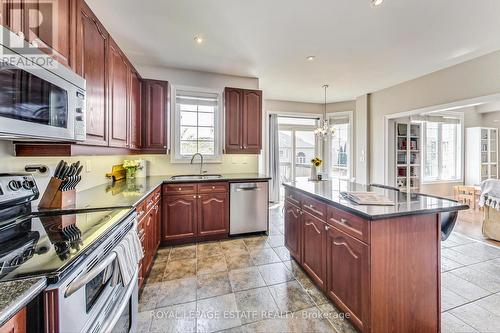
(49, 244)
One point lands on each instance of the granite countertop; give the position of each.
(329, 191)
(16, 294)
(128, 193)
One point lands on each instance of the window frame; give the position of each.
(459, 156)
(350, 143)
(175, 156)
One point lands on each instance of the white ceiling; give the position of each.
(358, 49)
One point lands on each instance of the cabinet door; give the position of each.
(233, 105)
(13, 15)
(348, 274)
(135, 111)
(157, 226)
(147, 260)
(252, 121)
(91, 62)
(49, 24)
(155, 99)
(213, 214)
(179, 216)
(314, 249)
(118, 99)
(293, 230)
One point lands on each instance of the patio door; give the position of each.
(297, 146)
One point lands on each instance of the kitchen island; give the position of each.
(379, 264)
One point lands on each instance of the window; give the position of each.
(197, 122)
(340, 145)
(443, 150)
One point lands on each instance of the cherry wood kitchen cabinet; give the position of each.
(243, 110)
(293, 230)
(50, 26)
(118, 90)
(14, 15)
(382, 269)
(155, 105)
(314, 248)
(179, 217)
(348, 274)
(195, 211)
(91, 63)
(212, 214)
(135, 111)
(16, 324)
(47, 25)
(149, 231)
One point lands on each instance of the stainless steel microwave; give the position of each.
(40, 99)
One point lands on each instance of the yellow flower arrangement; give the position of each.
(316, 161)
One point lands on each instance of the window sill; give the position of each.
(196, 161)
(431, 182)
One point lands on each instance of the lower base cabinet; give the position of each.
(202, 213)
(347, 261)
(179, 217)
(314, 249)
(149, 229)
(293, 229)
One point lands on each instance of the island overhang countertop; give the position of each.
(330, 192)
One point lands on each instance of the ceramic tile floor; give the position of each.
(251, 285)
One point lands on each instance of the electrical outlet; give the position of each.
(88, 166)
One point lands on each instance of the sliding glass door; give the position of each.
(297, 147)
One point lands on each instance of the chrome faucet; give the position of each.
(201, 163)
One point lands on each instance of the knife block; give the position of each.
(54, 198)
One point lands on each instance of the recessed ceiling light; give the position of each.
(198, 39)
(311, 58)
(377, 2)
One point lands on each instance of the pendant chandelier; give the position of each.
(324, 129)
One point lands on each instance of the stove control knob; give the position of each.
(28, 184)
(15, 185)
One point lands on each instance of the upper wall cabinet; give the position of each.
(243, 109)
(118, 91)
(91, 62)
(47, 24)
(135, 111)
(155, 105)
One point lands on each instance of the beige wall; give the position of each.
(475, 78)
(100, 165)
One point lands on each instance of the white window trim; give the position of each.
(460, 157)
(350, 142)
(175, 156)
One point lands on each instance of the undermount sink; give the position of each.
(195, 177)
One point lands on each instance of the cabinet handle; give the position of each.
(244, 147)
(194, 196)
(343, 221)
(199, 197)
(213, 187)
(180, 188)
(327, 228)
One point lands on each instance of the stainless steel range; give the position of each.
(76, 251)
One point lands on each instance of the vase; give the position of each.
(314, 173)
(131, 172)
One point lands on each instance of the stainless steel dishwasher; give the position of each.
(249, 208)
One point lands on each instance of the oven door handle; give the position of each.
(87, 277)
(116, 314)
